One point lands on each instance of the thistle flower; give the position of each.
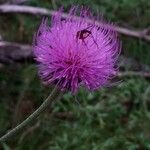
(73, 52)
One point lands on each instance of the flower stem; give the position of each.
(34, 115)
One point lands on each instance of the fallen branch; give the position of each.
(11, 52)
(18, 2)
(144, 34)
(134, 73)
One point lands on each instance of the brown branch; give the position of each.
(18, 2)
(11, 52)
(134, 73)
(143, 34)
(15, 2)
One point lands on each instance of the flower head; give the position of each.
(72, 52)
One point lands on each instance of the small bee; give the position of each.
(83, 34)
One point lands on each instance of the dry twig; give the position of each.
(143, 34)
(18, 2)
(11, 52)
(134, 73)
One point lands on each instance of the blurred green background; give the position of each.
(115, 118)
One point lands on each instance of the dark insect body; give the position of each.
(83, 34)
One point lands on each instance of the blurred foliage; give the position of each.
(109, 119)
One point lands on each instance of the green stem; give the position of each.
(33, 116)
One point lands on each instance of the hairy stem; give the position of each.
(33, 116)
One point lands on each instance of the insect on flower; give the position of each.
(83, 34)
(85, 55)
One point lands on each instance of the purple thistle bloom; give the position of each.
(74, 52)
